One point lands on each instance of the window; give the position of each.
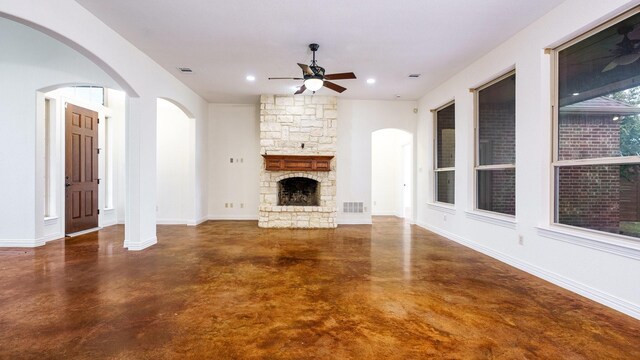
(597, 129)
(108, 163)
(496, 146)
(49, 210)
(445, 159)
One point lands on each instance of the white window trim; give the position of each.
(599, 240)
(575, 234)
(494, 217)
(436, 169)
(443, 207)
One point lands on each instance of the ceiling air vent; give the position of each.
(185, 70)
(414, 75)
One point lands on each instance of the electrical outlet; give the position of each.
(226, 205)
(241, 205)
(231, 205)
(520, 240)
(231, 160)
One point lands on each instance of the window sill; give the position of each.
(450, 209)
(608, 243)
(492, 218)
(50, 220)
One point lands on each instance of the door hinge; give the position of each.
(98, 181)
(98, 211)
(98, 150)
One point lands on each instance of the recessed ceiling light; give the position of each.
(616, 118)
(414, 75)
(575, 94)
(371, 81)
(185, 70)
(251, 78)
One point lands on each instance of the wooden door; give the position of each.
(81, 169)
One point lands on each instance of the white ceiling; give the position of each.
(224, 41)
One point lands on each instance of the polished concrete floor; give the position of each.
(228, 290)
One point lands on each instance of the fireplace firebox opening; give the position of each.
(298, 191)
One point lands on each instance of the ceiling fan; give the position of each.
(626, 52)
(315, 78)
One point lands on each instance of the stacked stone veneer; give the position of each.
(287, 122)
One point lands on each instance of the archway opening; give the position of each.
(81, 159)
(175, 132)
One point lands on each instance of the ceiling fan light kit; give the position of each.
(315, 78)
(314, 83)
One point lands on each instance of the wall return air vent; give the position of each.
(353, 207)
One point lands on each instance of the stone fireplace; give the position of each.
(298, 176)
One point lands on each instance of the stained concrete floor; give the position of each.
(228, 290)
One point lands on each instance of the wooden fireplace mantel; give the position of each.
(297, 162)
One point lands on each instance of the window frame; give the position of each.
(437, 169)
(476, 137)
(555, 163)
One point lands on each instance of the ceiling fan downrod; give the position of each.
(314, 47)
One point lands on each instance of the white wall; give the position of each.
(116, 102)
(120, 65)
(607, 271)
(173, 164)
(357, 119)
(234, 132)
(387, 180)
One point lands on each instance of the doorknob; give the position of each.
(67, 185)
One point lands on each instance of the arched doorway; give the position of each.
(175, 163)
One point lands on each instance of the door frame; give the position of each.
(103, 112)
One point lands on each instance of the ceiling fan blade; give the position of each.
(340, 76)
(306, 69)
(301, 90)
(334, 87)
(612, 65)
(285, 78)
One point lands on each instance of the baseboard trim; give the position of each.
(108, 223)
(21, 243)
(197, 222)
(171, 222)
(233, 217)
(57, 236)
(137, 246)
(596, 295)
